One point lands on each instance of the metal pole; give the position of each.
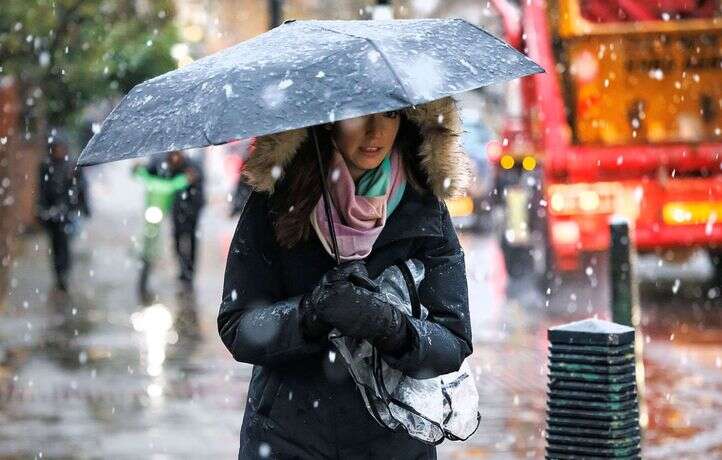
(625, 308)
(275, 9)
(625, 298)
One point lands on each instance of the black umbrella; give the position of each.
(304, 73)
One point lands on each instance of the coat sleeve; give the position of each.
(179, 182)
(439, 344)
(256, 323)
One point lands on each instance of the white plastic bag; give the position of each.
(430, 410)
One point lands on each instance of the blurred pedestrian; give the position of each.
(284, 293)
(160, 194)
(61, 201)
(186, 209)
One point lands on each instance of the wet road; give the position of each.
(97, 374)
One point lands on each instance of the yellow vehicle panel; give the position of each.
(642, 82)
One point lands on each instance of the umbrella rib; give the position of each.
(383, 55)
(393, 71)
(208, 139)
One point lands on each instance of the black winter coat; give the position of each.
(302, 404)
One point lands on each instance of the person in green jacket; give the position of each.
(160, 193)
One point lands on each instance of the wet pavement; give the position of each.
(96, 374)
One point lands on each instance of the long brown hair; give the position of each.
(300, 188)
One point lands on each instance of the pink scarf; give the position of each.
(362, 217)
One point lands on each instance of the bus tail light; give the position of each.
(599, 198)
(565, 232)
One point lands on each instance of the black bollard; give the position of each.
(625, 308)
(592, 405)
(625, 296)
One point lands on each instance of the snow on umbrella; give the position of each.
(300, 74)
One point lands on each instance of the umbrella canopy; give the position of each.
(300, 74)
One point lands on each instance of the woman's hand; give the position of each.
(357, 309)
(312, 326)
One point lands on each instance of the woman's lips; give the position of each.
(370, 150)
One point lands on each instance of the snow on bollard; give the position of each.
(592, 403)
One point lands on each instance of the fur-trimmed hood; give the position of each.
(442, 158)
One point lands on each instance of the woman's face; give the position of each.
(364, 142)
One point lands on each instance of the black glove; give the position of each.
(358, 309)
(312, 326)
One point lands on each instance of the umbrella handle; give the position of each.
(326, 198)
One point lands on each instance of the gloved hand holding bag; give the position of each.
(348, 300)
(312, 326)
(358, 309)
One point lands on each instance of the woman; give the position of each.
(283, 292)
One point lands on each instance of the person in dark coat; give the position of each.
(186, 210)
(62, 198)
(283, 292)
